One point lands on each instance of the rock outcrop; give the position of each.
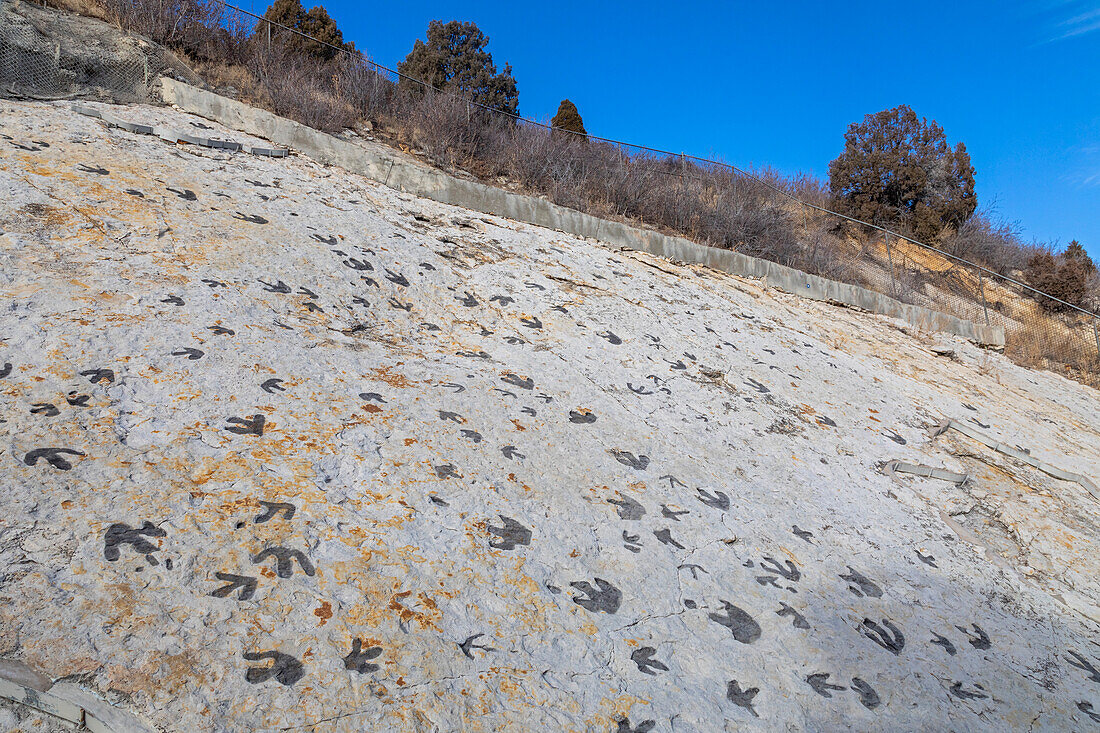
(46, 53)
(283, 448)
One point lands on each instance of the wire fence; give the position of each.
(45, 54)
(758, 213)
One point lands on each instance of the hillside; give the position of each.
(61, 53)
(287, 449)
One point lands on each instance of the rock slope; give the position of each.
(286, 449)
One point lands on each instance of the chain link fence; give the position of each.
(46, 53)
(50, 54)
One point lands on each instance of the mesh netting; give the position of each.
(50, 54)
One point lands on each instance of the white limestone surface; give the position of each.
(281, 448)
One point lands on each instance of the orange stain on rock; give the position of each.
(426, 618)
(387, 375)
(324, 612)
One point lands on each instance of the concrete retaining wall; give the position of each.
(439, 186)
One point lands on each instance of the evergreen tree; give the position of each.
(1068, 276)
(898, 170)
(454, 59)
(315, 22)
(568, 118)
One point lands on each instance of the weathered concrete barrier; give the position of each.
(64, 700)
(1024, 456)
(439, 186)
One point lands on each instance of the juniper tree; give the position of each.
(568, 118)
(898, 170)
(316, 22)
(454, 59)
(1069, 276)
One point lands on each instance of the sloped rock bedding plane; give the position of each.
(286, 449)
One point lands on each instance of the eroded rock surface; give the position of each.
(285, 448)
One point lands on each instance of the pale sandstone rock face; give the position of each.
(282, 447)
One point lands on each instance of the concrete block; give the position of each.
(230, 145)
(928, 472)
(134, 127)
(19, 673)
(64, 700)
(86, 111)
(269, 152)
(99, 715)
(27, 689)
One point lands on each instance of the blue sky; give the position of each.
(765, 83)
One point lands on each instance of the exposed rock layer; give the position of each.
(286, 448)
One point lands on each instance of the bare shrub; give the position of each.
(183, 25)
(823, 254)
(370, 93)
(298, 88)
(1042, 347)
(990, 242)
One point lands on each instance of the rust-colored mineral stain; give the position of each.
(518, 425)
(387, 375)
(410, 441)
(425, 619)
(372, 408)
(66, 504)
(324, 612)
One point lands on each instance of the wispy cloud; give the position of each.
(1071, 19)
(1088, 168)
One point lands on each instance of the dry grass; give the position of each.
(90, 8)
(1068, 352)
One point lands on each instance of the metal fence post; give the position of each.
(890, 257)
(268, 36)
(683, 191)
(981, 289)
(1096, 333)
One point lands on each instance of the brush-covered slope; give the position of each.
(283, 448)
